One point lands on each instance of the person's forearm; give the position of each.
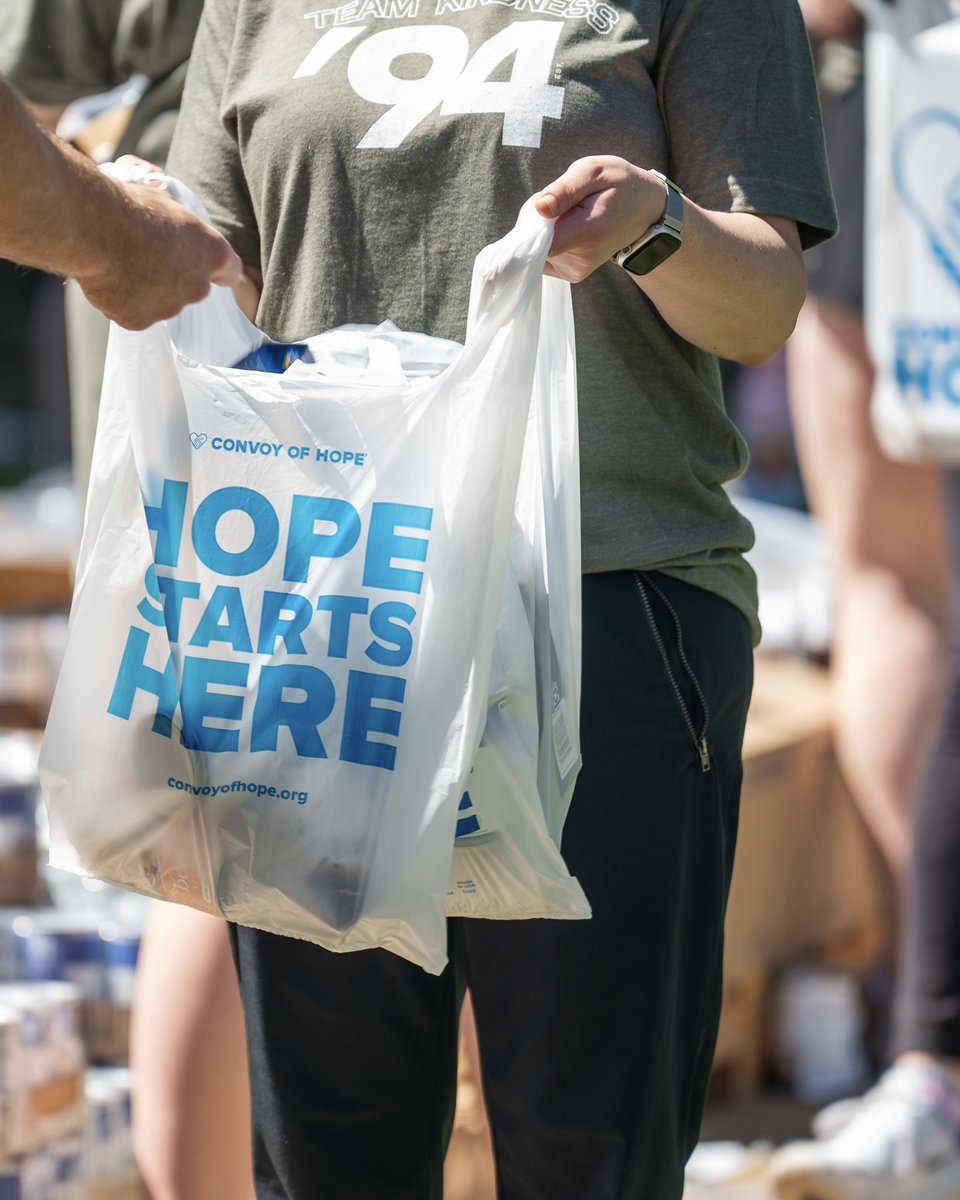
(56, 209)
(830, 18)
(138, 255)
(734, 288)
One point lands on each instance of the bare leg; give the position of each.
(191, 1121)
(884, 523)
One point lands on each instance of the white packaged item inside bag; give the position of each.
(287, 598)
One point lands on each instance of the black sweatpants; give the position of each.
(928, 997)
(596, 1037)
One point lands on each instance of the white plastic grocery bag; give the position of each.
(913, 228)
(287, 596)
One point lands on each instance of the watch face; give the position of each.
(652, 253)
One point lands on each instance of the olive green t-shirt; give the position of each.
(58, 51)
(362, 154)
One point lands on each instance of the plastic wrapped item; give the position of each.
(819, 1033)
(121, 948)
(11, 1051)
(45, 1103)
(795, 578)
(108, 1154)
(19, 792)
(714, 1165)
(50, 1173)
(98, 956)
(51, 1041)
(65, 946)
(12, 1080)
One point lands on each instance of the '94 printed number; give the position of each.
(454, 82)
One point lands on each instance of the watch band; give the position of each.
(660, 240)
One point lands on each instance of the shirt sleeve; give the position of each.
(56, 51)
(205, 153)
(738, 94)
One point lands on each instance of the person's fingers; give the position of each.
(230, 273)
(581, 179)
(247, 295)
(134, 161)
(529, 206)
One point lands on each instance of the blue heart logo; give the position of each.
(930, 137)
(197, 440)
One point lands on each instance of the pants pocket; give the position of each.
(696, 715)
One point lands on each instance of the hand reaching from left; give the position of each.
(157, 257)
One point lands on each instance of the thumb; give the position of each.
(569, 190)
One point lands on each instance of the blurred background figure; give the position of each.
(882, 519)
(901, 1140)
(120, 64)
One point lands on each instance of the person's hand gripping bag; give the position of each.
(287, 593)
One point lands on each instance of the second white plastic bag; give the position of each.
(506, 861)
(287, 597)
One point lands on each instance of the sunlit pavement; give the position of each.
(738, 1138)
(729, 1171)
(732, 1191)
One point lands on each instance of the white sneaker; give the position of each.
(901, 1143)
(831, 1119)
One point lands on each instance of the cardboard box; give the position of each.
(31, 587)
(740, 1060)
(106, 1032)
(130, 1188)
(808, 882)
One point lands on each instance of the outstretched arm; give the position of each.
(734, 288)
(138, 255)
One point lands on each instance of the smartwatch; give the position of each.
(660, 240)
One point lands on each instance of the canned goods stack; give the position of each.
(42, 1068)
(54, 1173)
(12, 1082)
(65, 1129)
(68, 953)
(68, 946)
(18, 817)
(110, 1171)
(99, 956)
